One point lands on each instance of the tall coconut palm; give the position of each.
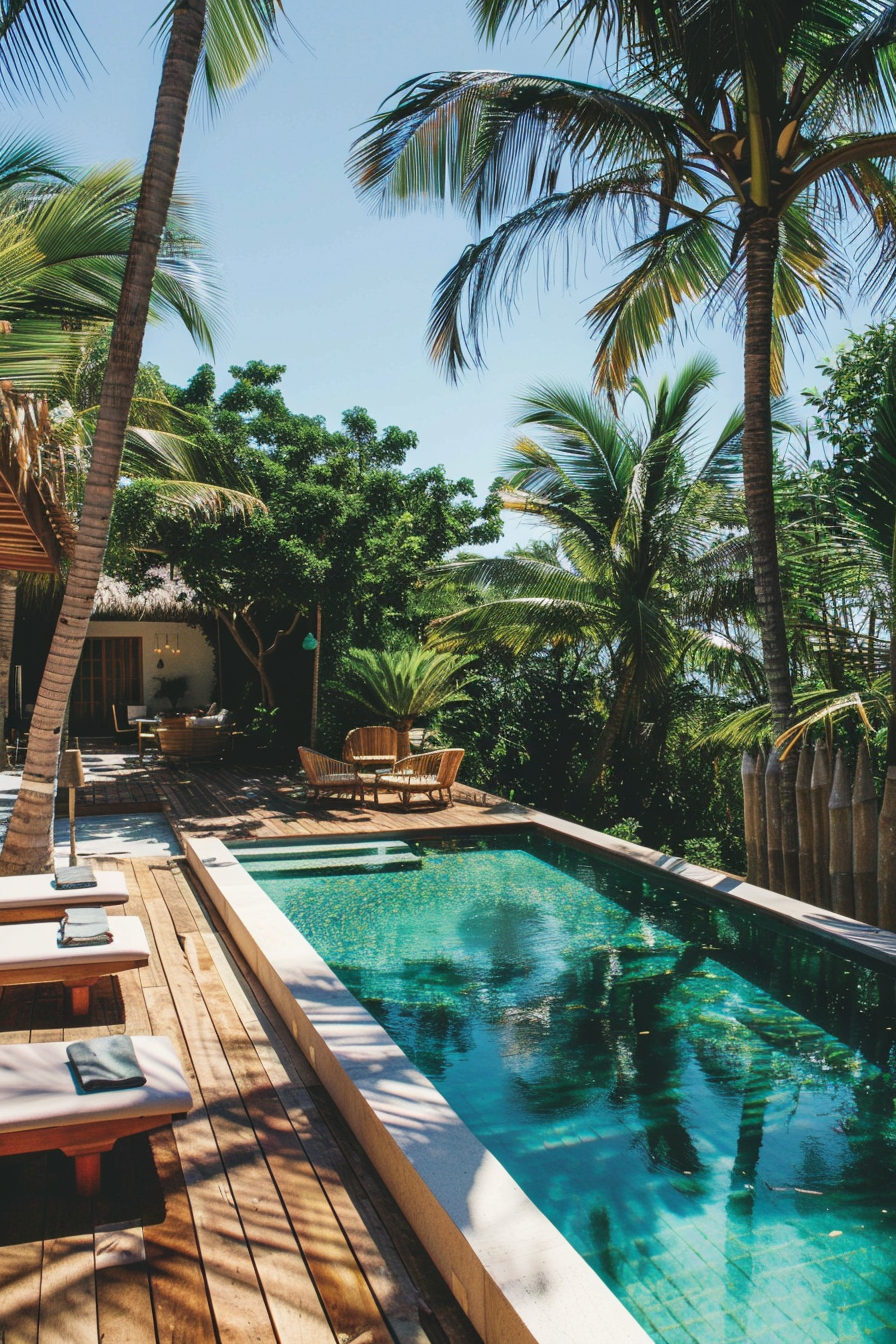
(650, 551)
(403, 686)
(228, 38)
(728, 152)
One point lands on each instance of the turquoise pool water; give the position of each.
(704, 1105)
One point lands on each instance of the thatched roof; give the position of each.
(36, 528)
(163, 599)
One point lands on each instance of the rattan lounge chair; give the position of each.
(326, 775)
(367, 748)
(430, 773)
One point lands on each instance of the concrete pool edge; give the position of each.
(850, 935)
(513, 1273)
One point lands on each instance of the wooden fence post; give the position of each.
(821, 787)
(886, 855)
(864, 838)
(762, 828)
(773, 822)
(804, 821)
(751, 783)
(840, 822)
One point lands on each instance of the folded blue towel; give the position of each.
(105, 1064)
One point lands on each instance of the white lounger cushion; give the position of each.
(39, 889)
(38, 1089)
(34, 947)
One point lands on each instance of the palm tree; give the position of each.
(229, 38)
(650, 550)
(404, 686)
(727, 153)
(63, 247)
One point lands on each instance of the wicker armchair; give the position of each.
(367, 748)
(429, 773)
(184, 741)
(326, 775)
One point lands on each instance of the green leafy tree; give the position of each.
(846, 406)
(728, 149)
(343, 526)
(649, 555)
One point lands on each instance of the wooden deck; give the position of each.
(256, 1218)
(237, 803)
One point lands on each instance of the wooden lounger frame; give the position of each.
(79, 985)
(84, 1142)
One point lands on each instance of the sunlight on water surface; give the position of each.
(703, 1104)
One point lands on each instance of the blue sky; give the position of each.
(312, 279)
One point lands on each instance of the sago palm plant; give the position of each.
(651, 551)
(405, 685)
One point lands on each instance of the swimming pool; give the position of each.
(701, 1101)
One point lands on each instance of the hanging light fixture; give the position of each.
(157, 643)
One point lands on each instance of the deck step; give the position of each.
(300, 850)
(331, 864)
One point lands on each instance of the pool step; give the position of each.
(331, 864)
(337, 848)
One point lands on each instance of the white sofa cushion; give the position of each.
(34, 947)
(40, 889)
(38, 1088)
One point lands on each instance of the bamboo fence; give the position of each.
(847, 851)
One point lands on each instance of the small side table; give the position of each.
(146, 732)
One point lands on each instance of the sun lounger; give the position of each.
(35, 896)
(29, 955)
(42, 1107)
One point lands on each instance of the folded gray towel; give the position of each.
(87, 927)
(75, 877)
(104, 1064)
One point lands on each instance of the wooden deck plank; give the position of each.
(68, 1292)
(343, 1288)
(293, 1304)
(235, 1294)
(180, 1301)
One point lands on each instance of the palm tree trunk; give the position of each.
(762, 249)
(891, 726)
(609, 734)
(8, 584)
(28, 846)
(403, 728)
(761, 252)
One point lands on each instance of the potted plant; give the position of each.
(171, 689)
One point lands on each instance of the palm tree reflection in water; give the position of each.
(682, 1091)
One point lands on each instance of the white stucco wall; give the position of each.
(195, 660)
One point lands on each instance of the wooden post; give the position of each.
(821, 787)
(804, 821)
(762, 829)
(790, 841)
(315, 680)
(886, 855)
(864, 839)
(840, 822)
(773, 822)
(751, 784)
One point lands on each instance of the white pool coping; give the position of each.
(515, 1275)
(517, 1278)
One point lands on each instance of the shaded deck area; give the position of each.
(238, 803)
(255, 1219)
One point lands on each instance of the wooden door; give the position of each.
(110, 673)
